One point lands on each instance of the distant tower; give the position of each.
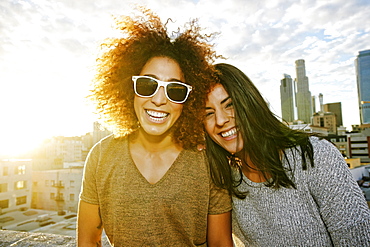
(313, 103)
(286, 98)
(362, 64)
(303, 95)
(321, 99)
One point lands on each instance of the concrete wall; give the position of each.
(19, 239)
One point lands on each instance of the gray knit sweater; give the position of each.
(327, 209)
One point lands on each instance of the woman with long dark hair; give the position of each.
(289, 188)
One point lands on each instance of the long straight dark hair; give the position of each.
(265, 138)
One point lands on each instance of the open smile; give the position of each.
(156, 116)
(229, 133)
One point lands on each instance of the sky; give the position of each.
(48, 48)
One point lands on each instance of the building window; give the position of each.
(20, 185)
(52, 196)
(21, 200)
(52, 182)
(34, 183)
(3, 188)
(72, 197)
(72, 183)
(4, 203)
(60, 197)
(19, 170)
(5, 171)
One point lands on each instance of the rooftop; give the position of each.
(25, 239)
(39, 228)
(16, 238)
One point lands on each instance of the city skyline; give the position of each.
(48, 49)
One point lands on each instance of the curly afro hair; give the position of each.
(143, 37)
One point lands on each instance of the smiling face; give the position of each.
(157, 114)
(220, 120)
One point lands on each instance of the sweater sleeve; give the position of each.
(340, 200)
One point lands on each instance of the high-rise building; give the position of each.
(362, 64)
(329, 116)
(303, 94)
(313, 103)
(321, 100)
(286, 98)
(335, 108)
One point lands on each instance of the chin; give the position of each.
(233, 150)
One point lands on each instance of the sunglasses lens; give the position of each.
(177, 92)
(146, 86)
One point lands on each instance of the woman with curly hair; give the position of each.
(289, 188)
(147, 185)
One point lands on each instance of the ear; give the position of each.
(201, 147)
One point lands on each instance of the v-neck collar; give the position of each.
(166, 174)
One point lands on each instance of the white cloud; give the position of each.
(47, 47)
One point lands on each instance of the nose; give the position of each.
(160, 97)
(222, 118)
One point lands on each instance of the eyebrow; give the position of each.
(170, 80)
(225, 100)
(222, 102)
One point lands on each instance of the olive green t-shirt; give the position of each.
(171, 212)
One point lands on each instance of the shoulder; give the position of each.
(194, 155)
(107, 144)
(327, 156)
(195, 160)
(110, 141)
(103, 142)
(323, 147)
(318, 141)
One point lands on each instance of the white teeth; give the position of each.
(229, 133)
(156, 114)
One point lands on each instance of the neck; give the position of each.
(251, 171)
(153, 143)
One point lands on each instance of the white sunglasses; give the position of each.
(146, 86)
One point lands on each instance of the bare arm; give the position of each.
(89, 225)
(219, 230)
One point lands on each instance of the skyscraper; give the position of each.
(303, 95)
(286, 98)
(313, 103)
(321, 100)
(362, 64)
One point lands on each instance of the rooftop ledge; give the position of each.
(25, 239)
